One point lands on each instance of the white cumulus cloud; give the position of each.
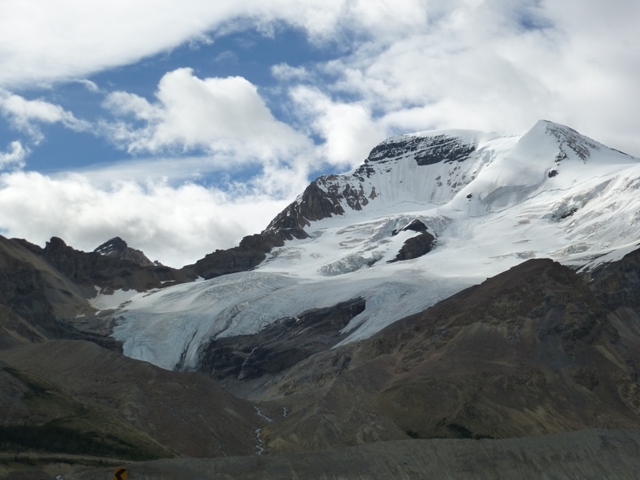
(348, 130)
(214, 114)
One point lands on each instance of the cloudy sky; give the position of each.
(183, 125)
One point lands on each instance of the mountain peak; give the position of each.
(569, 143)
(115, 244)
(118, 248)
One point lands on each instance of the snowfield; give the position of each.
(549, 192)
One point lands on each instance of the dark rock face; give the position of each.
(89, 269)
(28, 245)
(427, 151)
(321, 199)
(415, 226)
(249, 254)
(314, 204)
(416, 246)
(44, 291)
(118, 249)
(280, 345)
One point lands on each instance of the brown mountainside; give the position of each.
(34, 296)
(531, 351)
(149, 411)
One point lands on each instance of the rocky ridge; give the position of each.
(109, 273)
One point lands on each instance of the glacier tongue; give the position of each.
(491, 202)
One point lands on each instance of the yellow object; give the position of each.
(121, 474)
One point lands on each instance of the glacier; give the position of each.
(492, 201)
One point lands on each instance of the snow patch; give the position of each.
(112, 301)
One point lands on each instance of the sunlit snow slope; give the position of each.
(491, 202)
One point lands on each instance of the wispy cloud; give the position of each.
(26, 115)
(89, 85)
(14, 157)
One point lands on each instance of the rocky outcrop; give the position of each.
(35, 299)
(323, 198)
(569, 139)
(38, 303)
(44, 291)
(314, 204)
(249, 254)
(26, 315)
(415, 247)
(280, 345)
(118, 249)
(415, 226)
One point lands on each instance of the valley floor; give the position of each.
(592, 454)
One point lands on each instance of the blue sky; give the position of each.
(249, 54)
(183, 126)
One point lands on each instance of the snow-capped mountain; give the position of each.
(487, 201)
